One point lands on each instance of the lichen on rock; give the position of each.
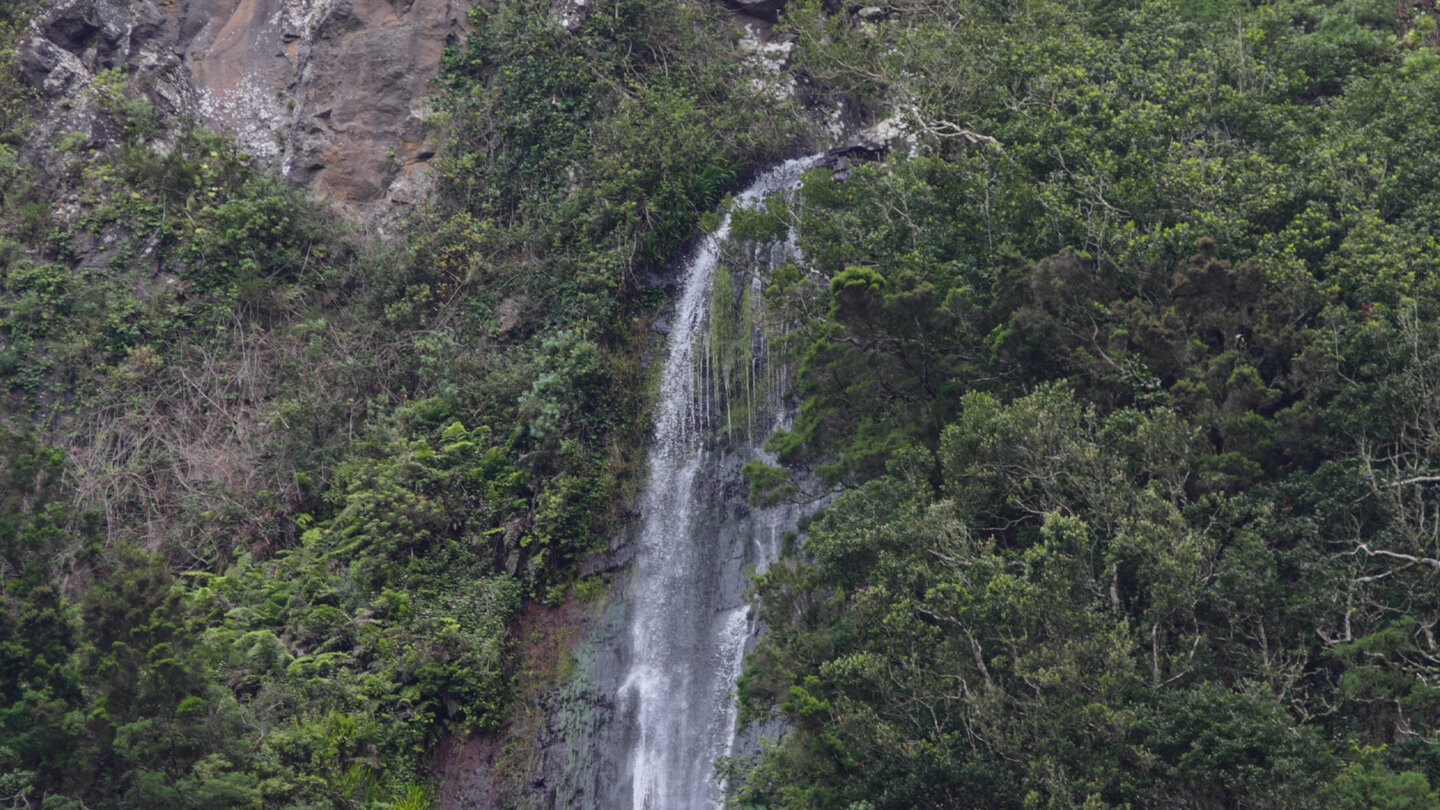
(328, 92)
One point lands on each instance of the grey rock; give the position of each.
(768, 10)
(326, 91)
(53, 70)
(571, 14)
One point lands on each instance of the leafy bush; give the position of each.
(1133, 466)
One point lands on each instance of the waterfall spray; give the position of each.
(690, 626)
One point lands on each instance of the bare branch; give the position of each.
(1380, 552)
(1419, 479)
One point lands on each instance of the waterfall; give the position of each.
(689, 625)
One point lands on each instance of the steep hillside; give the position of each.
(1126, 377)
(327, 332)
(276, 487)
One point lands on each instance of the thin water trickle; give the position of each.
(690, 627)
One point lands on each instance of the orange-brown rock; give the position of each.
(331, 92)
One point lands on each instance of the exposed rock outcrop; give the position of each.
(768, 10)
(571, 14)
(330, 92)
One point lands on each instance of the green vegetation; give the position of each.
(1126, 380)
(1133, 413)
(275, 494)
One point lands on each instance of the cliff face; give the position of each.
(330, 92)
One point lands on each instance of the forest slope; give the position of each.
(274, 491)
(1127, 378)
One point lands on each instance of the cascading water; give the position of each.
(689, 624)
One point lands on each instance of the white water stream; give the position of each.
(690, 628)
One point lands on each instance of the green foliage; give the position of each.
(1127, 376)
(349, 463)
(570, 376)
(600, 146)
(15, 96)
(1132, 407)
(239, 246)
(116, 98)
(1367, 784)
(1049, 640)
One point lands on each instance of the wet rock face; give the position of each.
(328, 91)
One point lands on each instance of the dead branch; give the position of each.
(1409, 558)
